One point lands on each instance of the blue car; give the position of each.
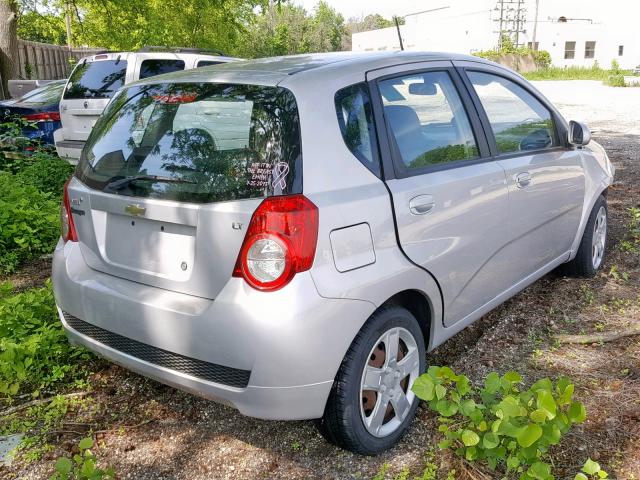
(42, 106)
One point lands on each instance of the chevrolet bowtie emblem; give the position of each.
(135, 210)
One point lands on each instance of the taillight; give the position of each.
(280, 242)
(43, 117)
(67, 227)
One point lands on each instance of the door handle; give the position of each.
(523, 179)
(421, 204)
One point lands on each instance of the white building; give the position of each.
(572, 38)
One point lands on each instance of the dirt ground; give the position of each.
(150, 431)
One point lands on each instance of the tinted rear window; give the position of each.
(150, 68)
(49, 93)
(207, 63)
(200, 143)
(98, 79)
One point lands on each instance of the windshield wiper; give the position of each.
(123, 182)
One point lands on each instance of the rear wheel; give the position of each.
(371, 404)
(592, 248)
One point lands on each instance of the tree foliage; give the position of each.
(247, 28)
(288, 29)
(42, 27)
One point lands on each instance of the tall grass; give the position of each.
(574, 73)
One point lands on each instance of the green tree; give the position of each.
(130, 24)
(284, 29)
(39, 27)
(364, 24)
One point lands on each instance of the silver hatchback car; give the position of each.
(290, 236)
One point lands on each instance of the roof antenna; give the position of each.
(395, 19)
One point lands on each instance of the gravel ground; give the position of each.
(156, 432)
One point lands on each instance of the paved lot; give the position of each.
(604, 109)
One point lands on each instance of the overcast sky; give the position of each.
(606, 11)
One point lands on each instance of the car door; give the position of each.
(545, 176)
(450, 200)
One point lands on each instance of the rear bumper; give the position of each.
(70, 150)
(288, 343)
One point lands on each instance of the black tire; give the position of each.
(582, 265)
(342, 423)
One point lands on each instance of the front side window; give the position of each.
(569, 50)
(427, 119)
(518, 120)
(355, 118)
(99, 79)
(589, 49)
(200, 142)
(153, 67)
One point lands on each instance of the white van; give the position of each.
(96, 79)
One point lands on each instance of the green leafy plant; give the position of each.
(82, 466)
(591, 470)
(48, 173)
(632, 243)
(501, 424)
(615, 67)
(34, 351)
(616, 80)
(36, 423)
(28, 223)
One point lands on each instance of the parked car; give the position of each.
(20, 87)
(290, 236)
(96, 79)
(40, 106)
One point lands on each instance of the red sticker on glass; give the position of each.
(176, 98)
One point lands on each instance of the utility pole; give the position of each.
(500, 29)
(397, 22)
(511, 21)
(535, 27)
(395, 19)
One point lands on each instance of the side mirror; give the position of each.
(579, 133)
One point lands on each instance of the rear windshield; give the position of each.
(150, 68)
(98, 79)
(49, 93)
(200, 143)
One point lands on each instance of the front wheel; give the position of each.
(592, 249)
(371, 404)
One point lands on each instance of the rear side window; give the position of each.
(98, 79)
(152, 67)
(519, 121)
(355, 116)
(197, 143)
(427, 119)
(207, 63)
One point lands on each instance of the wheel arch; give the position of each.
(420, 306)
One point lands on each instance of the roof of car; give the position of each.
(272, 70)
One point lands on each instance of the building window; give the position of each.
(530, 46)
(589, 49)
(620, 50)
(569, 50)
